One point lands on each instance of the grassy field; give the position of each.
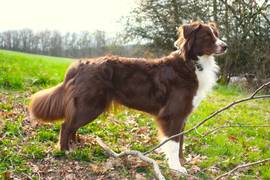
(20, 71)
(28, 149)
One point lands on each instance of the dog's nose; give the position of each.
(224, 47)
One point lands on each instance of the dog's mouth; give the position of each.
(221, 47)
(220, 53)
(221, 50)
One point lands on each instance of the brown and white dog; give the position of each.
(168, 88)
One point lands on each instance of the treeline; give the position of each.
(75, 45)
(244, 25)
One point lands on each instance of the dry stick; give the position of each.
(260, 88)
(252, 97)
(232, 125)
(133, 153)
(242, 166)
(29, 177)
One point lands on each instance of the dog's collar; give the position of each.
(198, 66)
(195, 62)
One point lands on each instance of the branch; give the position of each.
(260, 88)
(133, 153)
(265, 17)
(232, 125)
(251, 97)
(242, 166)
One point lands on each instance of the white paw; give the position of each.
(183, 170)
(180, 169)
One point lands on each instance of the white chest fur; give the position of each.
(207, 78)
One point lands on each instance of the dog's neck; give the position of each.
(199, 64)
(204, 62)
(207, 76)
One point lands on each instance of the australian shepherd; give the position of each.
(169, 88)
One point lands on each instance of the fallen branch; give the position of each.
(260, 88)
(232, 125)
(27, 176)
(133, 153)
(251, 97)
(242, 166)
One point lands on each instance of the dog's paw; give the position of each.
(180, 169)
(183, 170)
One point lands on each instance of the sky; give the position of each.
(64, 15)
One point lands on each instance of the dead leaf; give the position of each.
(35, 168)
(108, 166)
(254, 149)
(70, 177)
(213, 170)
(194, 169)
(232, 138)
(196, 160)
(142, 130)
(139, 176)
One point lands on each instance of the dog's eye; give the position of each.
(210, 37)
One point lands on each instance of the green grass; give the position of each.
(19, 71)
(24, 145)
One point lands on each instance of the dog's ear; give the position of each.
(188, 39)
(188, 29)
(214, 27)
(212, 24)
(184, 33)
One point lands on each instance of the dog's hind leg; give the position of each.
(84, 112)
(83, 118)
(64, 137)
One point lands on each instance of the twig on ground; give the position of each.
(133, 153)
(251, 97)
(29, 177)
(232, 125)
(242, 166)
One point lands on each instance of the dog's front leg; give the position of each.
(171, 151)
(171, 121)
(181, 146)
(173, 148)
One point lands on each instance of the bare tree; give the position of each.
(56, 44)
(245, 26)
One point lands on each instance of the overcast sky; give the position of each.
(64, 15)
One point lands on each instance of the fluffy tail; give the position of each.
(47, 105)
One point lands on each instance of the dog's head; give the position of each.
(197, 39)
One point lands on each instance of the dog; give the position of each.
(169, 88)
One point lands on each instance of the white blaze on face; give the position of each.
(219, 43)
